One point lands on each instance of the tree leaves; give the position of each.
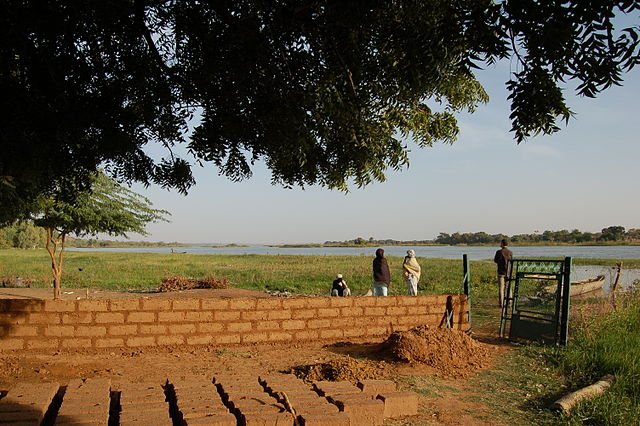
(323, 92)
(106, 208)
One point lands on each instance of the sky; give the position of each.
(584, 177)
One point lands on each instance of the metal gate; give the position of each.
(541, 319)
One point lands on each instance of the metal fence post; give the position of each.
(466, 283)
(566, 299)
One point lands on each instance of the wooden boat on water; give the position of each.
(580, 287)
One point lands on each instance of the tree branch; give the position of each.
(139, 15)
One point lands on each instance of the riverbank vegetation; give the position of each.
(606, 341)
(612, 235)
(26, 235)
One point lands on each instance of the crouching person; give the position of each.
(340, 287)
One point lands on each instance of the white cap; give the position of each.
(339, 276)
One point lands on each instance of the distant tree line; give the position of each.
(610, 234)
(359, 241)
(26, 235)
(93, 243)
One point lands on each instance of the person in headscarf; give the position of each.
(381, 274)
(340, 287)
(411, 270)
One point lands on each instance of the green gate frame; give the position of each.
(528, 323)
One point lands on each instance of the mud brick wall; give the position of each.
(100, 323)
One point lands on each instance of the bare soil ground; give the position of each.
(449, 356)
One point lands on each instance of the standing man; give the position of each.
(381, 274)
(502, 258)
(411, 270)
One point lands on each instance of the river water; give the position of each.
(446, 252)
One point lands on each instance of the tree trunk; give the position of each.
(57, 275)
(56, 260)
(569, 401)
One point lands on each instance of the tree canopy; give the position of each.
(324, 92)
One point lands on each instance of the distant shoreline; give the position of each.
(407, 243)
(114, 244)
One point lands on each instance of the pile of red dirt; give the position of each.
(449, 352)
(343, 369)
(178, 283)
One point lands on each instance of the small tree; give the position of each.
(612, 233)
(28, 236)
(107, 208)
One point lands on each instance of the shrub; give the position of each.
(177, 283)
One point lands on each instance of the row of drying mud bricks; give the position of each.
(97, 323)
(270, 400)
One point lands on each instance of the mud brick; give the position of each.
(145, 408)
(144, 422)
(361, 411)
(282, 381)
(202, 409)
(150, 416)
(188, 400)
(194, 387)
(128, 399)
(280, 378)
(221, 377)
(375, 387)
(253, 405)
(192, 382)
(239, 385)
(253, 397)
(99, 386)
(333, 419)
(28, 417)
(27, 402)
(195, 390)
(211, 399)
(227, 419)
(85, 401)
(237, 394)
(398, 404)
(248, 407)
(142, 392)
(85, 409)
(74, 384)
(291, 388)
(137, 386)
(267, 419)
(323, 408)
(136, 396)
(184, 392)
(97, 389)
(82, 419)
(334, 388)
(310, 398)
(197, 400)
(34, 388)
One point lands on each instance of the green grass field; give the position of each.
(298, 274)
